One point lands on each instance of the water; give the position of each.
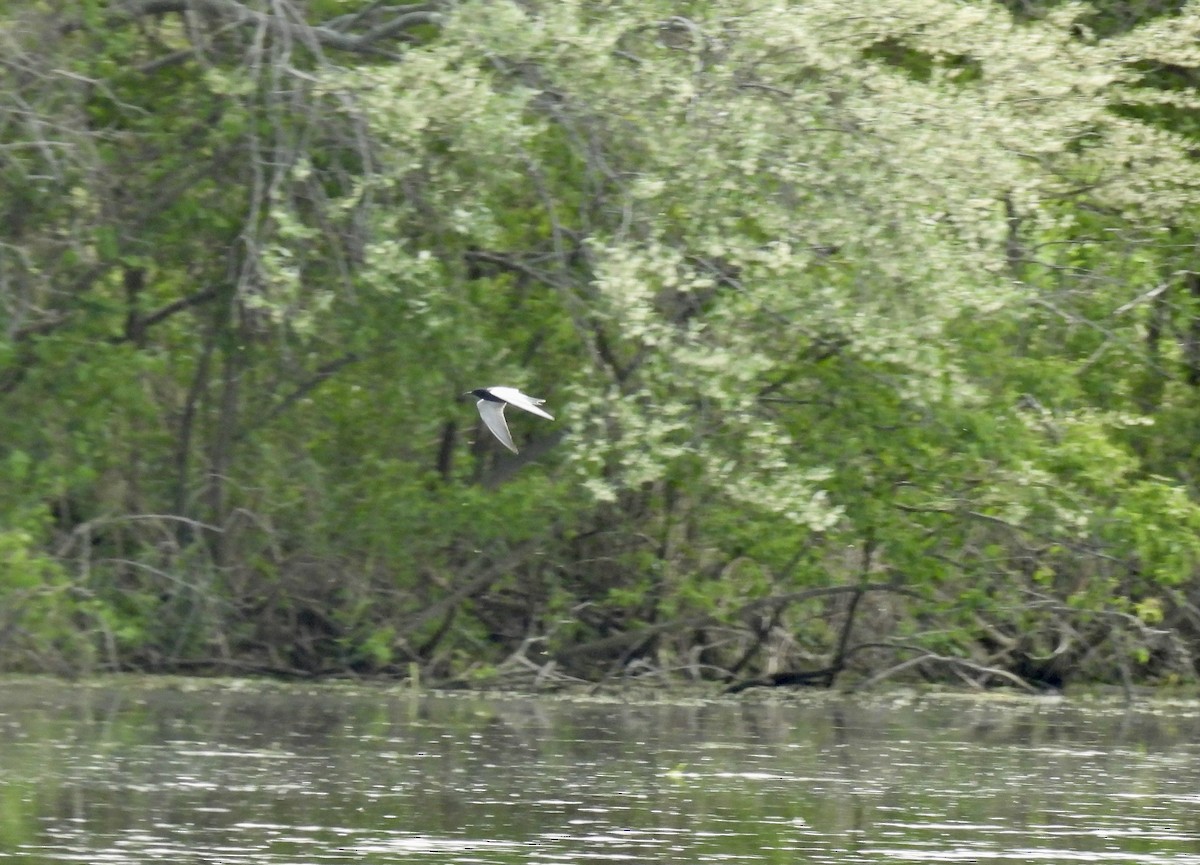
(135, 771)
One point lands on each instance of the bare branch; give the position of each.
(926, 656)
(329, 35)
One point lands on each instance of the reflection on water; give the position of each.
(133, 772)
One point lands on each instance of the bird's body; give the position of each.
(492, 401)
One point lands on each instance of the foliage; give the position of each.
(884, 293)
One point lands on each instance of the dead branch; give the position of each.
(924, 657)
(624, 641)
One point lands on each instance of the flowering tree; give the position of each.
(833, 301)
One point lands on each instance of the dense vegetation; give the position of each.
(871, 327)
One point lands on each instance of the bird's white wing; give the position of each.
(493, 415)
(523, 401)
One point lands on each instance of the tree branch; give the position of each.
(322, 374)
(625, 639)
(327, 35)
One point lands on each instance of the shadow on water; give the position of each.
(129, 771)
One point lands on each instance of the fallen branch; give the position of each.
(926, 656)
(628, 639)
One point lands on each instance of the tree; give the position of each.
(827, 296)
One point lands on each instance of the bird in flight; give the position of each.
(492, 401)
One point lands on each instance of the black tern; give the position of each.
(492, 401)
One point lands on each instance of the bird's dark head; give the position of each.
(483, 393)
